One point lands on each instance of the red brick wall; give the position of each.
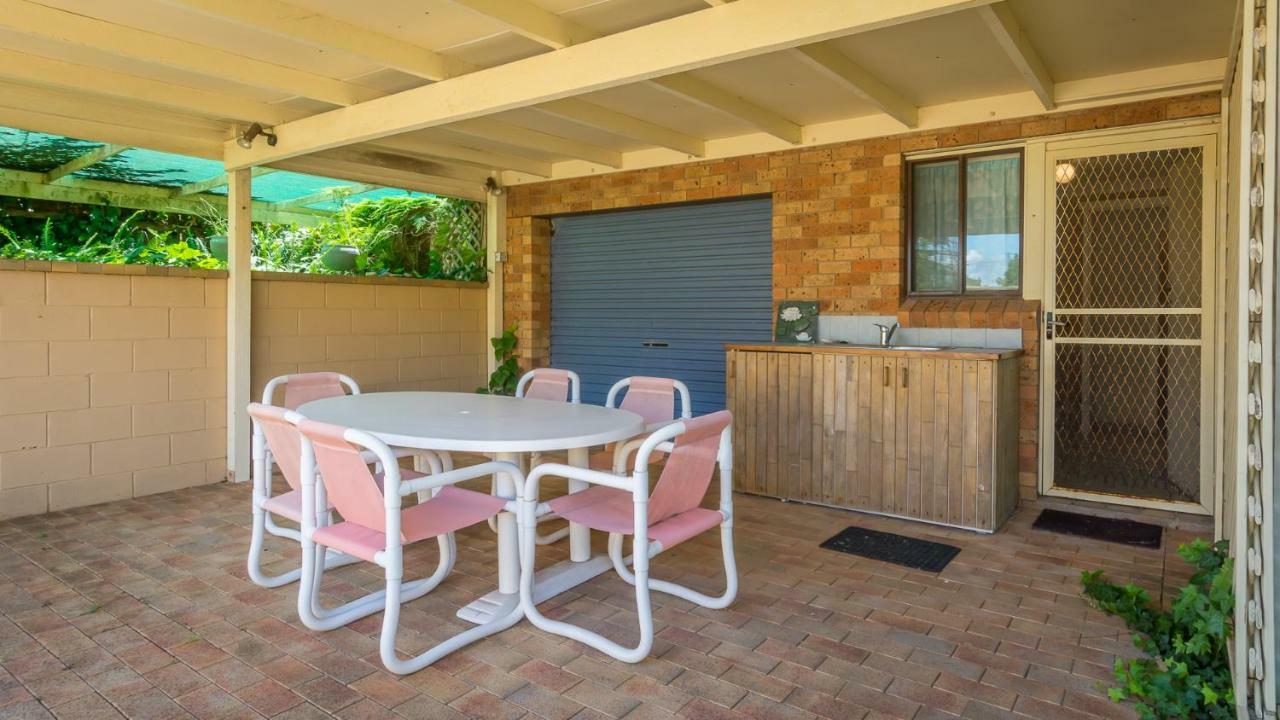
(837, 231)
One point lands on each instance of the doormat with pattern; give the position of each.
(896, 549)
(1116, 530)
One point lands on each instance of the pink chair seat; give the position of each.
(611, 510)
(450, 510)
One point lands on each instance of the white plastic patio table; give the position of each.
(503, 427)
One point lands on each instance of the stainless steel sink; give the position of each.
(924, 348)
(873, 346)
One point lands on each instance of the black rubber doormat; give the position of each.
(1116, 530)
(896, 549)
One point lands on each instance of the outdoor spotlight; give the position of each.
(246, 138)
(492, 186)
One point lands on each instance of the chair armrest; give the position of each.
(453, 477)
(595, 477)
(623, 451)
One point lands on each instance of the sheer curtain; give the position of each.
(993, 212)
(935, 226)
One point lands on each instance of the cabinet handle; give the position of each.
(887, 376)
(904, 377)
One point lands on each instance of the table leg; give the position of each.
(508, 547)
(579, 535)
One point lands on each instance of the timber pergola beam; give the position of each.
(217, 181)
(835, 65)
(1009, 35)
(334, 193)
(509, 134)
(700, 39)
(93, 157)
(30, 185)
(557, 32)
(51, 24)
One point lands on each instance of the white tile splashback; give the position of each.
(862, 330)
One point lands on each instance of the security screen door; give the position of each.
(1128, 322)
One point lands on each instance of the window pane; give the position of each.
(993, 220)
(935, 227)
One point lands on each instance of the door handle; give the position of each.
(1052, 325)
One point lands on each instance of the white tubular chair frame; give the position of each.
(575, 384)
(686, 403)
(391, 559)
(643, 549)
(263, 462)
(264, 523)
(575, 397)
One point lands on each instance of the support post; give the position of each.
(239, 289)
(495, 243)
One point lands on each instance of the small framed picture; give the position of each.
(797, 321)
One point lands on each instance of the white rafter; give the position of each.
(602, 118)
(836, 66)
(324, 31)
(1008, 33)
(518, 136)
(685, 42)
(93, 157)
(556, 32)
(49, 23)
(716, 98)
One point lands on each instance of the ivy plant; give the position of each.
(502, 381)
(1186, 672)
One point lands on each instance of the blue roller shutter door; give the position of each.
(659, 292)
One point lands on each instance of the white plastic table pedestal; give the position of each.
(504, 428)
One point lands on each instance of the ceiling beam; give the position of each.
(324, 31)
(49, 23)
(1008, 33)
(93, 157)
(596, 116)
(704, 94)
(333, 193)
(217, 181)
(518, 136)
(557, 32)
(40, 70)
(700, 39)
(380, 160)
(462, 155)
(532, 22)
(835, 65)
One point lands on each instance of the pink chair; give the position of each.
(549, 384)
(653, 399)
(298, 389)
(274, 433)
(623, 506)
(376, 529)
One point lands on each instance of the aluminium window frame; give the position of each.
(908, 216)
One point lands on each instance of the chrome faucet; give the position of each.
(886, 333)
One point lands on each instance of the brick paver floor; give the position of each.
(141, 609)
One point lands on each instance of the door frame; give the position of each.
(1207, 138)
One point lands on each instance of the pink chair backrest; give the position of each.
(653, 399)
(305, 387)
(282, 439)
(687, 474)
(350, 486)
(548, 384)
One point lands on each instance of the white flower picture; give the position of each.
(803, 336)
(791, 314)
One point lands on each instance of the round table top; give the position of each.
(469, 422)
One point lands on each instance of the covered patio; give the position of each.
(949, 263)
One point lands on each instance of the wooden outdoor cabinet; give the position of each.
(928, 435)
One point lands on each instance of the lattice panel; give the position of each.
(1127, 420)
(1129, 230)
(1151, 327)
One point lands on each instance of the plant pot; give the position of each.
(218, 247)
(340, 258)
